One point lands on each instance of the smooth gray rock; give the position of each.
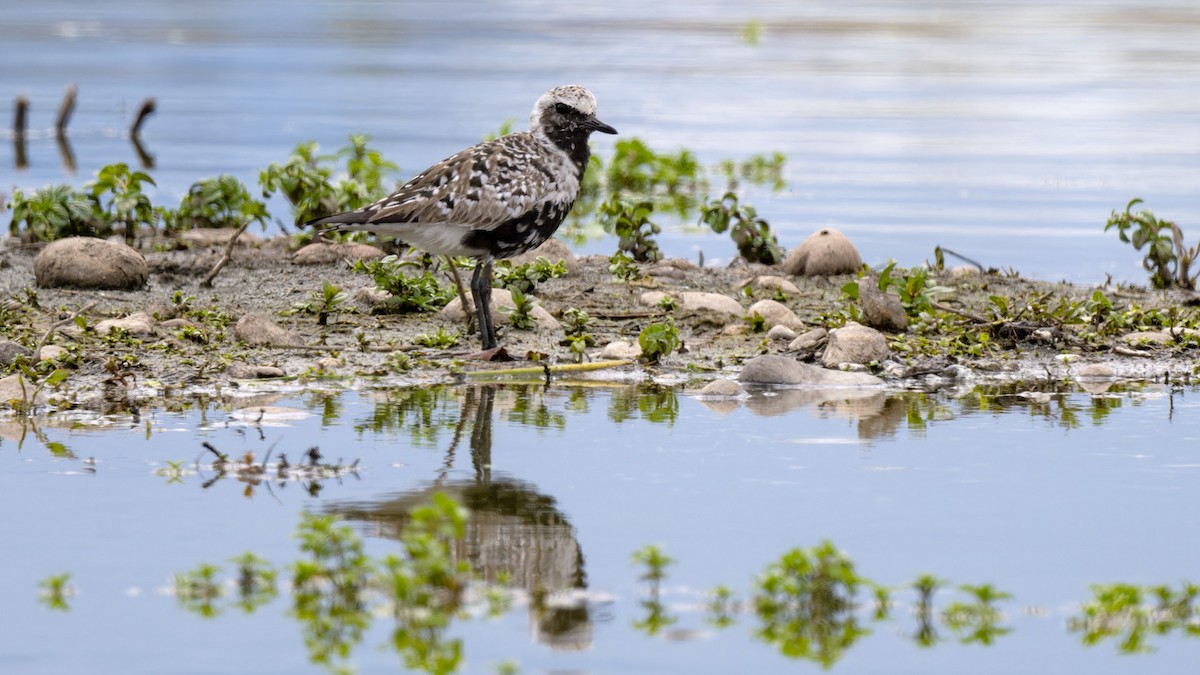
(723, 388)
(1148, 337)
(245, 371)
(209, 237)
(770, 284)
(620, 349)
(501, 306)
(824, 253)
(10, 350)
(52, 353)
(90, 263)
(775, 313)
(774, 369)
(854, 343)
(1095, 371)
(781, 334)
(881, 310)
(696, 302)
(321, 253)
(809, 340)
(139, 324)
(552, 250)
(260, 329)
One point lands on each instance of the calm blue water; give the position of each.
(1005, 131)
(1041, 499)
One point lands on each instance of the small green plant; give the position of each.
(630, 221)
(521, 317)
(173, 471)
(526, 277)
(915, 288)
(505, 129)
(439, 340)
(118, 193)
(805, 602)
(977, 621)
(27, 404)
(54, 212)
(668, 303)
(420, 293)
(1167, 259)
(399, 362)
(215, 202)
(199, 590)
(322, 303)
(757, 323)
(256, 582)
(623, 267)
(757, 170)
(579, 345)
(575, 324)
(654, 563)
(721, 607)
(55, 591)
(1132, 614)
(752, 33)
(666, 179)
(658, 340)
(751, 234)
(925, 586)
(303, 181)
(306, 179)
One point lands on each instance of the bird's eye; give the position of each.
(562, 108)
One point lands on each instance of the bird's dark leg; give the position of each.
(481, 291)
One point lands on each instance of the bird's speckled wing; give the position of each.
(483, 187)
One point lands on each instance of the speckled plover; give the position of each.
(494, 200)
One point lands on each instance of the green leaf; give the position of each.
(55, 378)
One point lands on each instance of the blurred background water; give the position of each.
(1006, 131)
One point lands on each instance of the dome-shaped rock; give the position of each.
(87, 262)
(826, 252)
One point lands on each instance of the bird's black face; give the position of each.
(565, 117)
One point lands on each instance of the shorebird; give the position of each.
(493, 200)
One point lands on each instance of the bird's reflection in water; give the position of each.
(515, 534)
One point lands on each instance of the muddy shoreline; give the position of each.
(192, 345)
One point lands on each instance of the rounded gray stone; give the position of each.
(723, 388)
(854, 343)
(775, 369)
(10, 350)
(259, 329)
(90, 263)
(824, 253)
(881, 310)
(775, 313)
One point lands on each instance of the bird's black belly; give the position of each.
(520, 234)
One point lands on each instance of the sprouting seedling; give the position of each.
(658, 340)
(56, 590)
(521, 316)
(322, 303)
(654, 563)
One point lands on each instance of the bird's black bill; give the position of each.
(596, 125)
